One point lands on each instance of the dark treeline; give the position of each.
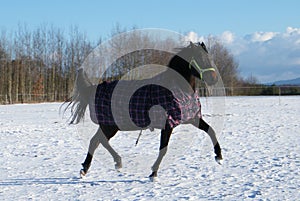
(40, 65)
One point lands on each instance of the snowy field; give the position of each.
(40, 156)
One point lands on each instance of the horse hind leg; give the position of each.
(107, 132)
(94, 143)
(101, 136)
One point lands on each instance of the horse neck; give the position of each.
(180, 64)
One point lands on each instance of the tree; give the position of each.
(224, 60)
(3, 68)
(38, 89)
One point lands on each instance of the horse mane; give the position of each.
(180, 62)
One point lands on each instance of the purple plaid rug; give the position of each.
(150, 106)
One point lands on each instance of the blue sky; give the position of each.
(241, 24)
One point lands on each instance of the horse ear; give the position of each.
(204, 47)
(192, 44)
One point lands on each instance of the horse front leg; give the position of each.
(164, 141)
(210, 131)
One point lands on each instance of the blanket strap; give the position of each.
(137, 140)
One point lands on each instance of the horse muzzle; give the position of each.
(210, 77)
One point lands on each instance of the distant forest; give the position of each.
(40, 65)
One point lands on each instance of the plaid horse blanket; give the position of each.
(129, 106)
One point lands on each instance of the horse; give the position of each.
(192, 61)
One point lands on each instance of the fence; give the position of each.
(252, 91)
(263, 90)
(229, 91)
(32, 98)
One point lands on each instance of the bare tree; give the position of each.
(224, 60)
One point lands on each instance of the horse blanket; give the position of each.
(129, 106)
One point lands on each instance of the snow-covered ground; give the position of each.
(40, 156)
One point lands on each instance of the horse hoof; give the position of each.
(82, 173)
(218, 160)
(85, 168)
(153, 176)
(153, 179)
(118, 165)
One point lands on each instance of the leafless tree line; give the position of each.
(40, 65)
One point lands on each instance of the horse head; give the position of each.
(201, 65)
(195, 61)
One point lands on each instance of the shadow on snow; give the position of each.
(61, 181)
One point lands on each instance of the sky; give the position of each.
(262, 35)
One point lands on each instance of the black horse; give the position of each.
(190, 62)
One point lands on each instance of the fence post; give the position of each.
(279, 94)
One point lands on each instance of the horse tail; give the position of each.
(79, 100)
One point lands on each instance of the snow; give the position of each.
(41, 155)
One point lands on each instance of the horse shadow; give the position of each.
(62, 181)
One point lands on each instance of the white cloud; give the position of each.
(193, 36)
(270, 56)
(227, 37)
(291, 30)
(263, 36)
